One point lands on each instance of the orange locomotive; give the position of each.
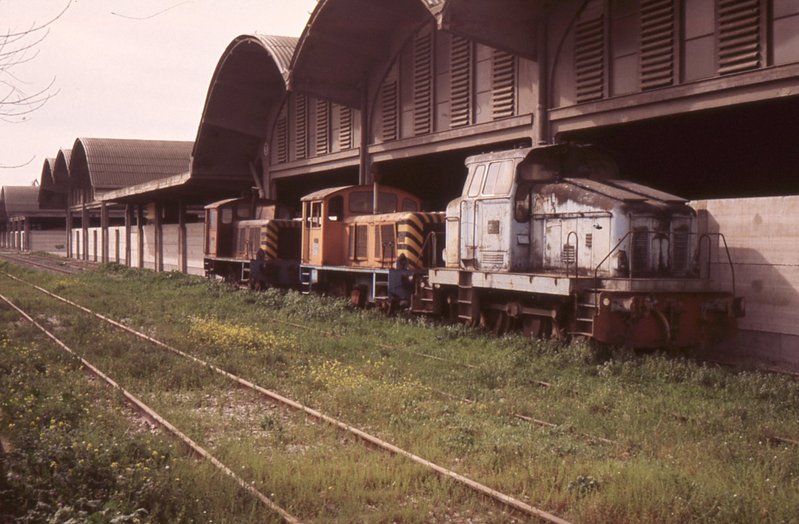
(349, 249)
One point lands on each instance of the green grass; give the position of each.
(691, 442)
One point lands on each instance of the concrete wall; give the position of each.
(763, 239)
(51, 241)
(116, 246)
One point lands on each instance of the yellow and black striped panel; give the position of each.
(411, 232)
(270, 236)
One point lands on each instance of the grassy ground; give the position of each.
(635, 438)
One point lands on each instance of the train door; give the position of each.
(312, 233)
(553, 242)
(468, 224)
(492, 215)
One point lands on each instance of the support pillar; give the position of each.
(84, 226)
(26, 229)
(159, 239)
(364, 175)
(183, 248)
(140, 236)
(68, 243)
(128, 222)
(104, 237)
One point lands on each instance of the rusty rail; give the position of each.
(151, 414)
(506, 500)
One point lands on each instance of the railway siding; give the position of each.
(682, 430)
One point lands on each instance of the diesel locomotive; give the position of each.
(549, 240)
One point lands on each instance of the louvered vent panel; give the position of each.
(461, 82)
(301, 126)
(503, 84)
(282, 140)
(423, 84)
(739, 35)
(345, 136)
(657, 43)
(322, 127)
(589, 59)
(388, 101)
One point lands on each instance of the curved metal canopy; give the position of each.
(509, 25)
(244, 97)
(345, 39)
(112, 163)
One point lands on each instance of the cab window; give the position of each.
(476, 181)
(226, 215)
(335, 208)
(361, 202)
(315, 214)
(408, 204)
(499, 179)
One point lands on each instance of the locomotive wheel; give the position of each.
(533, 327)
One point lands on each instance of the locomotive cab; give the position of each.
(251, 241)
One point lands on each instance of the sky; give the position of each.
(123, 68)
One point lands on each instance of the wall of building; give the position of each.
(763, 241)
(116, 246)
(50, 241)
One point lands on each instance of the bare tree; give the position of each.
(17, 99)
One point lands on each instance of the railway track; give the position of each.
(372, 442)
(155, 418)
(46, 263)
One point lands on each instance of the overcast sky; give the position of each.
(121, 72)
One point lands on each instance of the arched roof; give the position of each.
(19, 200)
(345, 39)
(46, 181)
(61, 167)
(52, 195)
(244, 98)
(510, 25)
(112, 163)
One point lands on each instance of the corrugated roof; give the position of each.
(281, 48)
(244, 96)
(114, 163)
(345, 39)
(61, 167)
(47, 179)
(20, 200)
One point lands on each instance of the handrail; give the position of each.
(710, 252)
(596, 269)
(576, 254)
(424, 245)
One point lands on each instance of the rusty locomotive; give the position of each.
(549, 240)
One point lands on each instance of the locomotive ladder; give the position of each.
(305, 280)
(585, 309)
(468, 306)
